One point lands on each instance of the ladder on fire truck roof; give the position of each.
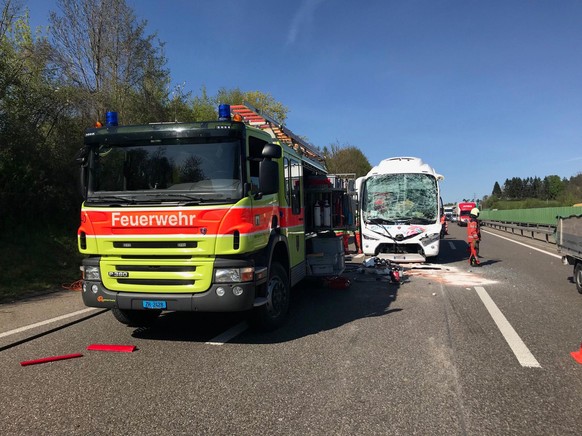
(258, 118)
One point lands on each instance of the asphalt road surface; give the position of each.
(453, 350)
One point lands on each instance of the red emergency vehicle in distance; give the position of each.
(463, 212)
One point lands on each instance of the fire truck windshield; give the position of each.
(205, 169)
(407, 198)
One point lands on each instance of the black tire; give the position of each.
(273, 315)
(135, 318)
(578, 276)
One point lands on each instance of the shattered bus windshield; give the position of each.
(401, 197)
(207, 168)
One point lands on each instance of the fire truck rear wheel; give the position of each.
(135, 318)
(273, 314)
(578, 276)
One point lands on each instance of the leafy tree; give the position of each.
(346, 159)
(553, 186)
(32, 169)
(103, 51)
(260, 100)
(204, 107)
(179, 106)
(573, 190)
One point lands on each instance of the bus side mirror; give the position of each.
(359, 184)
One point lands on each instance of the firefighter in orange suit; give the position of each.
(444, 226)
(473, 236)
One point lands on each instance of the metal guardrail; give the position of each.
(544, 233)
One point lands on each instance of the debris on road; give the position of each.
(110, 347)
(375, 265)
(50, 359)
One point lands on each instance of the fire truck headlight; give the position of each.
(237, 291)
(233, 275)
(91, 273)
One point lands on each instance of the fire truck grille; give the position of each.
(156, 282)
(156, 268)
(155, 244)
(160, 275)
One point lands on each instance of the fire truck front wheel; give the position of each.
(273, 314)
(135, 318)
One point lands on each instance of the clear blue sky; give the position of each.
(481, 90)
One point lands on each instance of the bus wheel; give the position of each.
(578, 276)
(273, 314)
(135, 318)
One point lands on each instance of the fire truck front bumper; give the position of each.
(234, 297)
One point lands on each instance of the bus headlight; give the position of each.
(430, 239)
(233, 275)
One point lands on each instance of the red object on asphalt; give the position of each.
(577, 355)
(338, 282)
(109, 347)
(50, 359)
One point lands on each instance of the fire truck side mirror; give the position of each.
(269, 170)
(271, 151)
(82, 158)
(83, 181)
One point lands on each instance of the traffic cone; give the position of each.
(577, 355)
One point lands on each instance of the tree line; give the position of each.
(551, 189)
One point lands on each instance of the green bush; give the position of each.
(37, 261)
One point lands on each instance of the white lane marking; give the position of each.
(229, 334)
(452, 245)
(520, 350)
(525, 245)
(48, 321)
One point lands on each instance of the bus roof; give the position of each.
(404, 165)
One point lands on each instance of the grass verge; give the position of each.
(37, 262)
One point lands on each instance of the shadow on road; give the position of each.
(314, 308)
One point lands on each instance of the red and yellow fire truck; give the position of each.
(213, 216)
(463, 210)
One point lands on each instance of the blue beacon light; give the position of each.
(224, 112)
(111, 119)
